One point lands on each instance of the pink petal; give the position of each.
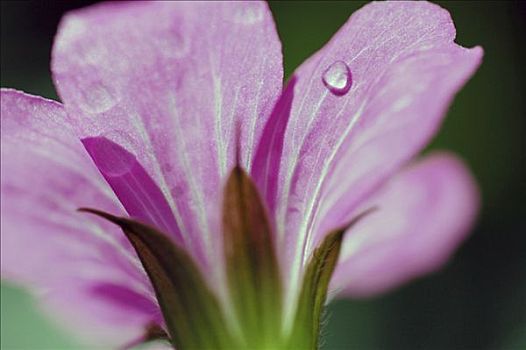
(339, 147)
(77, 266)
(423, 214)
(136, 190)
(169, 81)
(269, 151)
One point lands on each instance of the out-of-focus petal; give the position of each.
(84, 271)
(339, 148)
(423, 214)
(170, 82)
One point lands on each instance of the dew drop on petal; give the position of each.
(72, 29)
(97, 98)
(337, 78)
(249, 13)
(176, 46)
(172, 41)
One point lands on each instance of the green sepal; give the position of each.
(305, 332)
(251, 265)
(187, 304)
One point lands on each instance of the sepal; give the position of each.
(251, 265)
(187, 304)
(306, 328)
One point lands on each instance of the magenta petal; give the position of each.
(64, 256)
(340, 147)
(269, 151)
(136, 190)
(127, 298)
(423, 214)
(169, 81)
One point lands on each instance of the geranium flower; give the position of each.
(234, 194)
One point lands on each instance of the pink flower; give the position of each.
(154, 93)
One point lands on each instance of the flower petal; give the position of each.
(338, 148)
(169, 81)
(182, 293)
(85, 272)
(269, 150)
(423, 214)
(136, 190)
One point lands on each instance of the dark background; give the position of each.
(478, 301)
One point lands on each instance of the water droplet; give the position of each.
(72, 29)
(178, 47)
(172, 41)
(97, 98)
(338, 78)
(249, 13)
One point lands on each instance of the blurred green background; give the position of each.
(478, 301)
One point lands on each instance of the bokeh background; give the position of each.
(478, 301)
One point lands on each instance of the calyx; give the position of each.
(193, 316)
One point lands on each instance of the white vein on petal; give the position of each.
(138, 123)
(61, 219)
(195, 193)
(296, 266)
(328, 163)
(252, 128)
(52, 157)
(218, 106)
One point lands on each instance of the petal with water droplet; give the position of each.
(338, 148)
(337, 78)
(177, 90)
